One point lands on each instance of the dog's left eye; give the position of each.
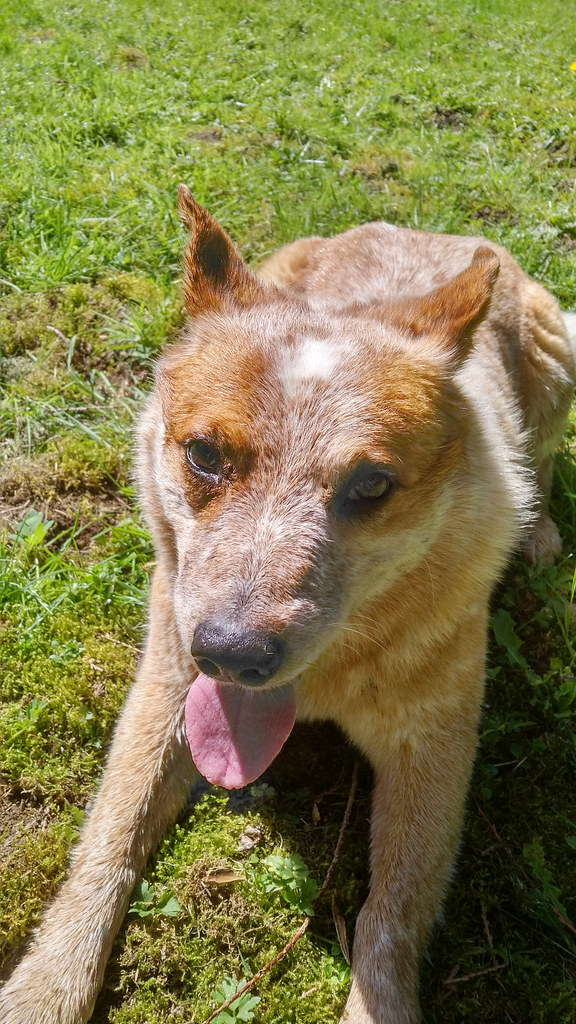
(203, 458)
(364, 491)
(373, 485)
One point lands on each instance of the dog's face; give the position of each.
(303, 459)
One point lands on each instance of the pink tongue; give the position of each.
(234, 733)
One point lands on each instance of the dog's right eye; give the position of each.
(203, 458)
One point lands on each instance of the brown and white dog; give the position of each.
(336, 462)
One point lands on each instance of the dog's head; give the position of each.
(301, 458)
(298, 459)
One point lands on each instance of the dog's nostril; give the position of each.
(209, 668)
(253, 676)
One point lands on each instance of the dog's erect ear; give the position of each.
(450, 312)
(214, 273)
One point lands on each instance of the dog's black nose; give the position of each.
(220, 649)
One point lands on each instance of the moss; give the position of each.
(70, 465)
(29, 874)
(25, 320)
(83, 464)
(77, 484)
(73, 323)
(60, 693)
(134, 288)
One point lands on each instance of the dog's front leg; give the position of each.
(419, 792)
(146, 781)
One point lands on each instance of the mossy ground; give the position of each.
(284, 121)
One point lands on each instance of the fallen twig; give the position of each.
(119, 643)
(341, 834)
(476, 974)
(58, 333)
(567, 924)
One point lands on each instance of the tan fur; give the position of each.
(381, 347)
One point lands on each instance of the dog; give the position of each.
(336, 462)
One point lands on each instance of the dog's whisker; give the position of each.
(359, 632)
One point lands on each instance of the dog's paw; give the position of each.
(543, 545)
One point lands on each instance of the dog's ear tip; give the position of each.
(188, 208)
(487, 260)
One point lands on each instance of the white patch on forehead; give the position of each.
(312, 360)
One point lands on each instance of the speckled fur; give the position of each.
(382, 345)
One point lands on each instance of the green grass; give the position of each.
(284, 120)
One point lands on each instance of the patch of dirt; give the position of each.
(210, 135)
(446, 117)
(84, 469)
(130, 57)
(493, 215)
(566, 242)
(39, 35)
(80, 497)
(75, 480)
(562, 152)
(381, 171)
(17, 816)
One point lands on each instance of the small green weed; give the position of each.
(288, 877)
(504, 629)
(146, 904)
(72, 830)
(32, 712)
(26, 721)
(64, 653)
(336, 970)
(550, 907)
(33, 529)
(242, 1009)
